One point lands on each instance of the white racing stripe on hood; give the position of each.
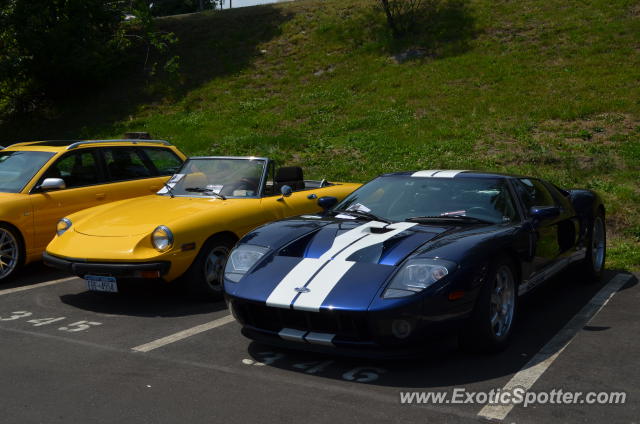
(284, 293)
(322, 284)
(321, 275)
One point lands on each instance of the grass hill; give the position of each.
(548, 88)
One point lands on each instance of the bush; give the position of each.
(429, 28)
(403, 15)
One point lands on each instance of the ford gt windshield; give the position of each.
(217, 177)
(460, 200)
(17, 168)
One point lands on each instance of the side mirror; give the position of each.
(286, 191)
(52, 184)
(327, 202)
(544, 213)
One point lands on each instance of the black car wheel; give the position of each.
(11, 252)
(491, 323)
(593, 265)
(205, 275)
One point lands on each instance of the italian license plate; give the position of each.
(101, 283)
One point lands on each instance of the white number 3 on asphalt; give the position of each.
(17, 315)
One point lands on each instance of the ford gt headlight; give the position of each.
(241, 259)
(63, 225)
(162, 238)
(416, 275)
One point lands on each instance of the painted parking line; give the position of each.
(532, 370)
(35, 286)
(180, 335)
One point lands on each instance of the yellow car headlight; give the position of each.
(162, 238)
(63, 225)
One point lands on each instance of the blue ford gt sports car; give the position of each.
(411, 256)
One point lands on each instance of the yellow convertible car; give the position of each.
(43, 181)
(188, 228)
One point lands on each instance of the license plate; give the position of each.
(101, 283)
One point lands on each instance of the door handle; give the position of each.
(312, 196)
(100, 196)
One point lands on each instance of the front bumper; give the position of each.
(131, 270)
(358, 349)
(349, 333)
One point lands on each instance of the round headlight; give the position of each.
(63, 225)
(162, 238)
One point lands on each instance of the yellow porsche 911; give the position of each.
(188, 228)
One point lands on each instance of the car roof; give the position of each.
(451, 173)
(61, 145)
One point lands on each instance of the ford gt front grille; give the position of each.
(344, 325)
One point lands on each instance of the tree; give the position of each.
(402, 15)
(50, 48)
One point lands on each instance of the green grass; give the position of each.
(550, 89)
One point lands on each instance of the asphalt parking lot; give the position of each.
(159, 356)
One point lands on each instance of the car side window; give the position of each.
(77, 169)
(165, 161)
(125, 163)
(560, 198)
(504, 202)
(533, 193)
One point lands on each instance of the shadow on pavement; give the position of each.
(148, 299)
(34, 273)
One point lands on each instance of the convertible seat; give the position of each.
(291, 176)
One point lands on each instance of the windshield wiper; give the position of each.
(453, 218)
(362, 214)
(205, 190)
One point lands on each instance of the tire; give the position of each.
(11, 252)
(204, 276)
(592, 267)
(488, 329)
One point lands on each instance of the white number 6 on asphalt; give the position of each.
(363, 374)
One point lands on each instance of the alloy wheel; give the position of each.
(214, 267)
(597, 244)
(502, 302)
(8, 253)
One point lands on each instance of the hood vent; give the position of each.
(380, 230)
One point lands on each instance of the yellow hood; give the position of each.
(143, 214)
